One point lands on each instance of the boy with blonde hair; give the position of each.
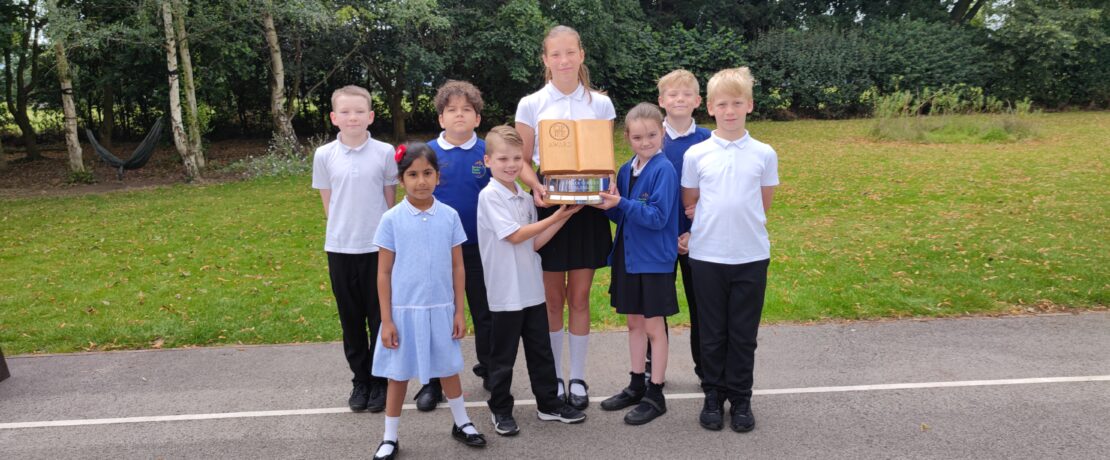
(357, 179)
(729, 181)
(680, 96)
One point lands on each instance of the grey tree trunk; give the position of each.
(192, 169)
(73, 145)
(192, 122)
(283, 126)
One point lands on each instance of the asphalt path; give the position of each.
(1011, 387)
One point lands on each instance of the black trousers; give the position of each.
(354, 281)
(510, 328)
(730, 299)
(478, 304)
(692, 303)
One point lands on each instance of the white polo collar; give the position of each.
(347, 149)
(554, 94)
(739, 143)
(416, 211)
(675, 134)
(504, 192)
(443, 144)
(638, 168)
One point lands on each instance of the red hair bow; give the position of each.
(400, 153)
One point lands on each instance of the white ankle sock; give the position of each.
(391, 424)
(578, 347)
(557, 351)
(458, 411)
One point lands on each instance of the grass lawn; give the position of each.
(859, 228)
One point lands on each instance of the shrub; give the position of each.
(282, 158)
(951, 114)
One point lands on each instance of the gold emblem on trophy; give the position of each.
(576, 159)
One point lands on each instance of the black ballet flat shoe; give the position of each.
(472, 440)
(626, 398)
(575, 401)
(648, 410)
(428, 397)
(392, 455)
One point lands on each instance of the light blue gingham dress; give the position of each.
(423, 294)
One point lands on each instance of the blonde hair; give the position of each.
(681, 78)
(500, 136)
(583, 71)
(643, 111)
(733, 82)
(353, 90)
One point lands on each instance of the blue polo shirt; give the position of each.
(462, 175)
(675, 145)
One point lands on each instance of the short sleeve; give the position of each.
(526, 111)
(606, 111)
(389, 172)
(689, 171)
(770, 175)
(383, 237)
(498, 217)
(458, 234)
(320, 177)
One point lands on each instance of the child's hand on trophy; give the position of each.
(608, 201)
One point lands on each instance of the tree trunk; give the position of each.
(283, 127)
(397, 111)
(107, 114)
(192, 122)
(73, 146)
(3, 157)
(17, 100)
(192, 169)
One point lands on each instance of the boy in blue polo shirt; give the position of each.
(463, 174)
(679, 96)
(729, 180)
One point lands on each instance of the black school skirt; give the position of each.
(583, 242)
(648, 294)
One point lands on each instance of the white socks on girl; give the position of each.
(578, 346)
(391, 424)
(458, 411)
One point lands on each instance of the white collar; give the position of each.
(349, 149)
(675, 134)
(554, 94)
(416, 211)
(504, 192)
(445, 145)
(739, 143)
(637, 170)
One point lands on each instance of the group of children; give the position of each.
(689, 198)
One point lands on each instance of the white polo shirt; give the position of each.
(551, 104)
(514, 278)
(729, 222)
(357, 178)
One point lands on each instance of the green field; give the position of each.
(859, 228)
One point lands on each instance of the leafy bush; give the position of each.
(917, 54)
(817, 72)
(952, 114)
(283, 158)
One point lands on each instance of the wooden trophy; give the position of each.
(576, 159)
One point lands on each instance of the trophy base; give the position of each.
(575, 189)
(572, 198)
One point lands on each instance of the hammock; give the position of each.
(138, 158)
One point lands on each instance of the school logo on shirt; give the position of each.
(644, 197)
(478, 169)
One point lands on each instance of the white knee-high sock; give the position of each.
(458, 412)
(391, 424)
(578, 347)
(557, 351)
